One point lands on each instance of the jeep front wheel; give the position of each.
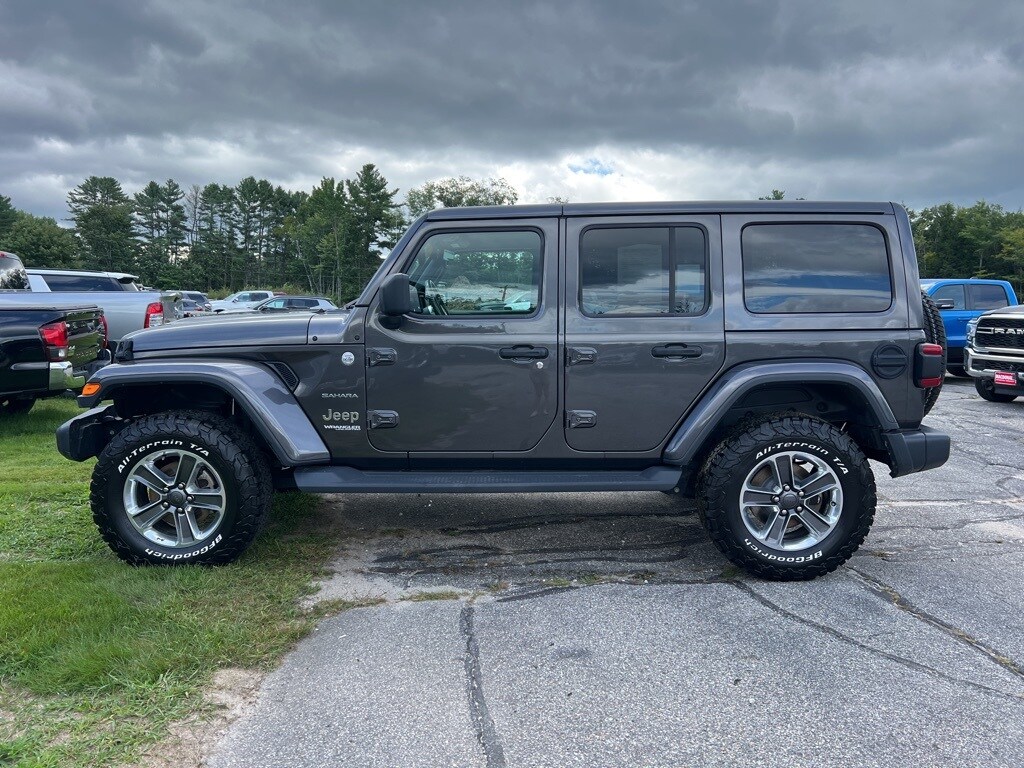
(787, 497)
(180, 487)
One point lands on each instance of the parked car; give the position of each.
(47, 350)
(809, 350)
(960, 301)
(125, 307)
(295, 304)
(194, 303)
(995, 354)
(240, 300)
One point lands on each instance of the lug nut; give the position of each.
(785, 487)
(191, 498)
(775, 499)
(799, 509)
(181, 485)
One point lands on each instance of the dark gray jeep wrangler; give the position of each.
(751, 355)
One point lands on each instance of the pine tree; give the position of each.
(102, 213)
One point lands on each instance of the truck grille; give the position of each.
(1000, 333)
(991, 364)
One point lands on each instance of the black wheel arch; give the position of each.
(838, 392)
(249, 393)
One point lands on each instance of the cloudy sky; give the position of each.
(919, 102)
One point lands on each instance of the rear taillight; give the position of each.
(928, 370)
(106, 331)
(154, 315)
(55, 340)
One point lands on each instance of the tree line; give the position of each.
(329, 240)
(219, 238)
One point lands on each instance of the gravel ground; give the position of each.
(605, 630)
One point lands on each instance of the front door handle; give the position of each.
(522, 352)
(677, 351)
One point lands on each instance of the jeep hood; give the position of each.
(230, 331)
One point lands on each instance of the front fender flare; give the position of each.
(702, 421)
(269, 404)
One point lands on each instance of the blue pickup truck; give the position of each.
(960, 301)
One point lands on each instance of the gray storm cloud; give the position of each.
(915, 102)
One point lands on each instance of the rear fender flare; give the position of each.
(699, 426)
(269, 404)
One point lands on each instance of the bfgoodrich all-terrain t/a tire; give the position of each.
(180, 487)
(787, 497)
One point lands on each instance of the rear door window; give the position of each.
(819, 268)
(641, 271)
(987, 296)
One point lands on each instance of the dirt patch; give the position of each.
(232, 691)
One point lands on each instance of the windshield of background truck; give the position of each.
(12, 273)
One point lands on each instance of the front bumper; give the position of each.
(981, 365)
(87, 434)
(916, 450)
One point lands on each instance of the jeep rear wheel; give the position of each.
(787, 497)
(180, 487)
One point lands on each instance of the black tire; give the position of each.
(934, 333)
(957, 370)
(12, 406)
(721, 478)
(986, 388)
(237, 459)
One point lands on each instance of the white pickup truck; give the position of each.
(126, 306)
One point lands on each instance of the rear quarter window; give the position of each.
(81, 283)
(815, 268)
(987, 296)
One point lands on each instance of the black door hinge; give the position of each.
(580, 355)
(382, 419)
(580, 419)
(381, 356)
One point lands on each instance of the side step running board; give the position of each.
(331, 479)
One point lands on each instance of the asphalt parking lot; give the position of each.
(605, 630)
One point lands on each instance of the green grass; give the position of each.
(97, 658)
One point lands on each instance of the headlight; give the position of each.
(972, 326)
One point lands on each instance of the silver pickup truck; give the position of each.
(125, 305)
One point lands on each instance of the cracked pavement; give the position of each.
(606, 630)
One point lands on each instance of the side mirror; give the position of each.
(394, 296)
(944, 303)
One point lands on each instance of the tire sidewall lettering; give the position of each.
(798, 445)
(781, 557)
(184, 555)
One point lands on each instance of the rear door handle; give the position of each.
(678, 351)
(522, 352)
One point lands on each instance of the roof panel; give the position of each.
(659, 208)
